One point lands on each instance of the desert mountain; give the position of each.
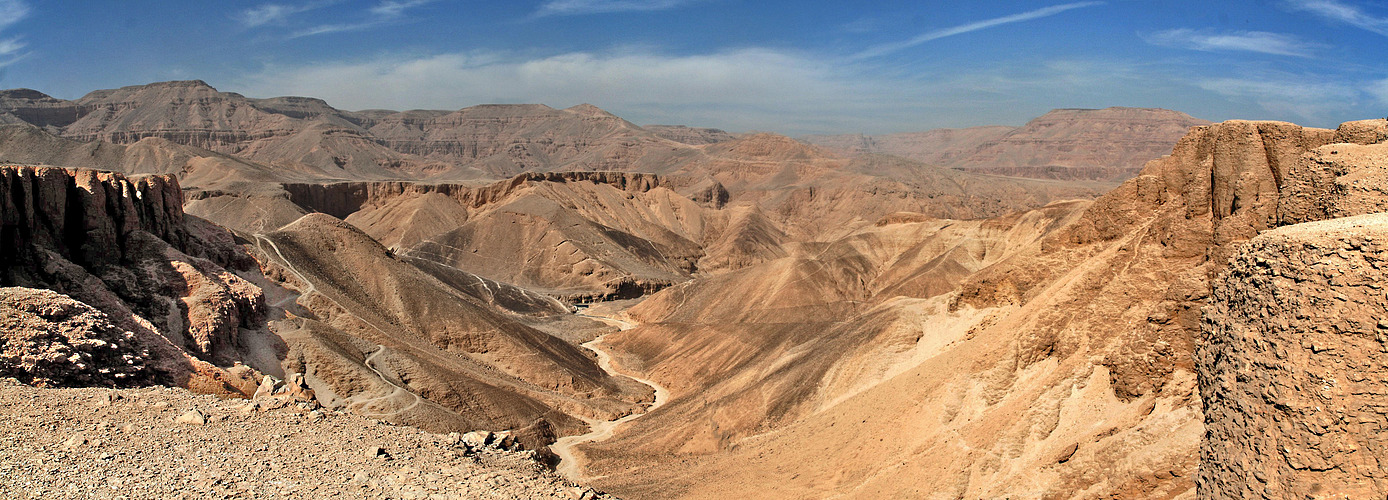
(793, 322)
(694, 136)
(494, 141)
(1096, 144)
(1050, 354)
(932, 147)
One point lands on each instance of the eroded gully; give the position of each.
(571, 463)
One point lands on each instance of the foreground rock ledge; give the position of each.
(1293, 367)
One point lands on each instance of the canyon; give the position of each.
(1117, 303)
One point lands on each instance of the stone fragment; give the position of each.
(267, 387)
(476, 439)
(192, 417)
(75, 441)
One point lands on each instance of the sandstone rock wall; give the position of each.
(122, 245)
(86, 215)
(1292, 368)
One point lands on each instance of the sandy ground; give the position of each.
(138, 443)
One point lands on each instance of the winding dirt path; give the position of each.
(362, 405)
(571, 459)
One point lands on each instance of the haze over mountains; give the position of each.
(855, 323)
(1095, 144)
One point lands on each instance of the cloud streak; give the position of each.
(275, 13)
(884, 49)
(581, 7)
(1293, 97)
(383, 13)
(11, 13)
(1340, 12)
(1245, 41)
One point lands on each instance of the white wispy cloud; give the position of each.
(747, 89)
(11, 12)
(888, 48)
(1379, 90)
(278, 14)
(1342, 12)
(1294, 97)
(12, 49)
(1247, 41)
(395, 9)
(577, 7)
(270, 14)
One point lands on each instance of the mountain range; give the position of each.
(715, 315)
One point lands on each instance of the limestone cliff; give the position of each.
(123, 246)
(1291, 366)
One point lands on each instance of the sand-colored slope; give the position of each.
(1063, 370)
(444, 345)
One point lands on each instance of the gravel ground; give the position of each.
(148, 443)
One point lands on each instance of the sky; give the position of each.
(793, 67)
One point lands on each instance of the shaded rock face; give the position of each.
(343, 198)
(1292, 370)
(122, 245)
(87, 216)
(48, 339)
(37, 108)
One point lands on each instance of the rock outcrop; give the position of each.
(1291, 365)
(50, 340)
(87, 216)
(122, 246)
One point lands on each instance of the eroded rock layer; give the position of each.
(1291, 366)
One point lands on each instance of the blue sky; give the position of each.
(793, 67)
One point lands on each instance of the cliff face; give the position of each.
(87, 216)
(123, 246)
(1291, 367)
(37, 108)
(1293, 330)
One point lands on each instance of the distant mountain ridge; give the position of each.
(486, 141)
(1069, 144)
